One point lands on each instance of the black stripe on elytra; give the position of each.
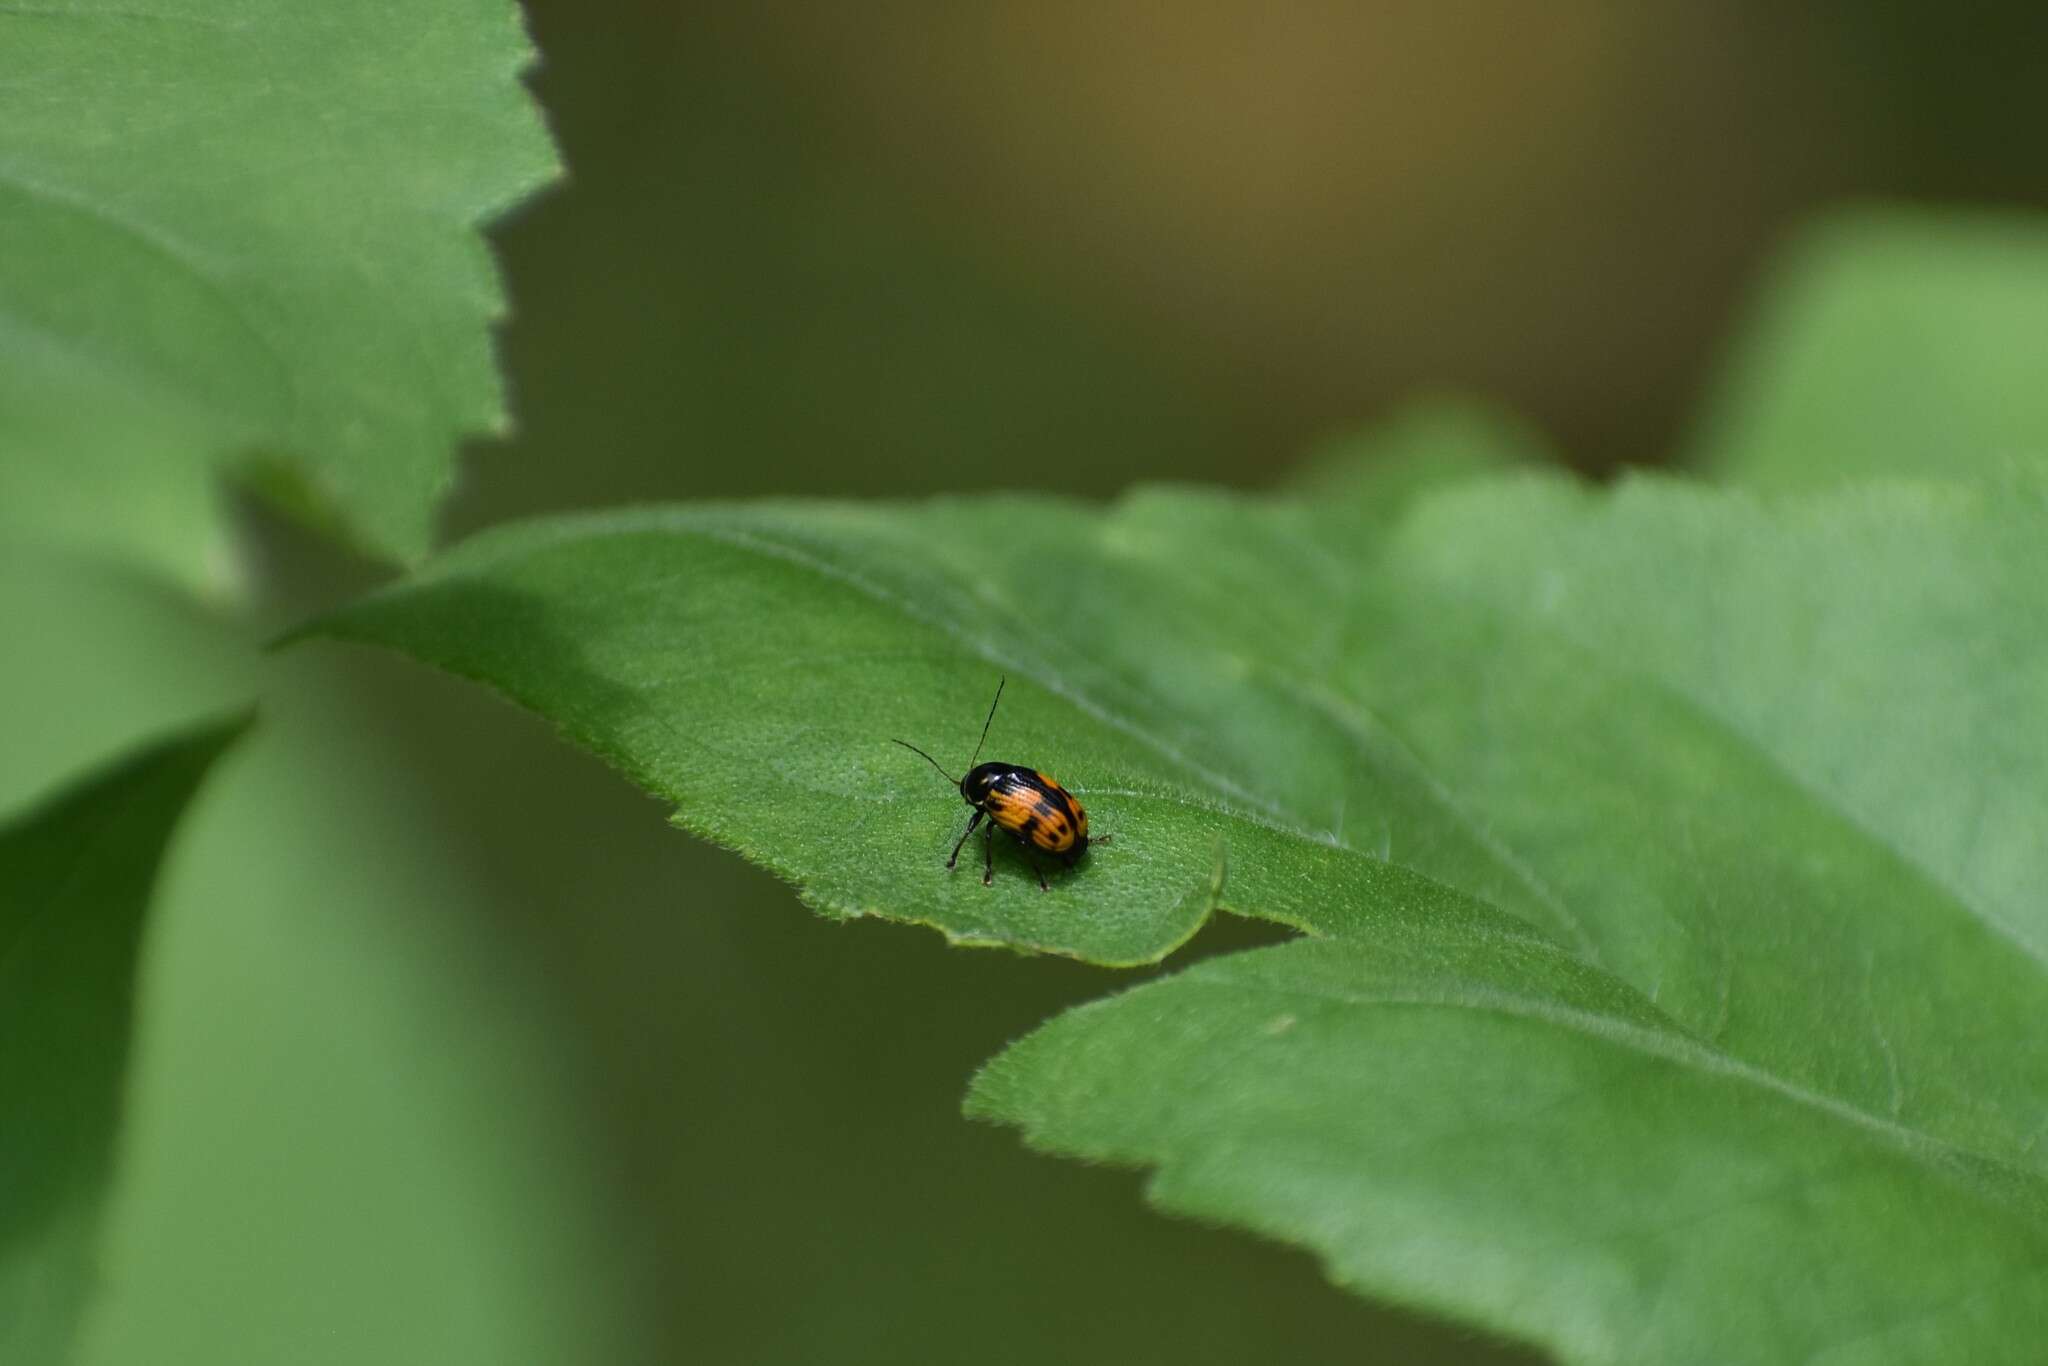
(1042, 791)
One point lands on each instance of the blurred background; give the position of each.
(581, 1089)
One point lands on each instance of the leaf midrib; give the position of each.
(1676, 1046)
(163, 247)
(770, 547)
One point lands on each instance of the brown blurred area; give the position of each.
(1319, 208)
(909, 246)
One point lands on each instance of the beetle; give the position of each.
(1027, 805)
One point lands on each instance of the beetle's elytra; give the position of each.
(1025, 804)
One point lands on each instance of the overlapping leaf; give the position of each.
(312, 1005)
(75, 881)
(244, 236)
(105, 659)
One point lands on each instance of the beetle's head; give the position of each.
(979, 782)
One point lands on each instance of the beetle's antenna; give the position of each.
(991, 720)
(928, 759)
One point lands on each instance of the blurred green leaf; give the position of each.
(348, 1136)
(1890, 341)
(1378, 471)
(75, 881)
(106, 656)
(1701, 834)
(244, 237)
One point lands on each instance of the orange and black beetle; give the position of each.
(1027, 805)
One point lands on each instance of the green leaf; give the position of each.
(350, 1133)
(244, 238)
(75, 882)
(110, 657)
(1694, 836)
(1378, 471)
(332, 1040)
(1890, 341)
(1489, 1129)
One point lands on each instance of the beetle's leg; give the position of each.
(1032, 859)
(988, 856)
(978, 814)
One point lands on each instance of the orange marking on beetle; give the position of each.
(1009, 810)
